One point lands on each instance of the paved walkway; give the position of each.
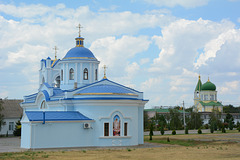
(10, 144)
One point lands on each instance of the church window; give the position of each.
(116, 126)
(205, 97)
(125, 129)
(106, 129)
(43, 105)
(61, 75)
(71, 74)
(85, 74)
(96, 75)
(211, 97)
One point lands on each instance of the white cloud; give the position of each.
(181, 40)
(144, 61)
(211, 48)
(229, 87)
(116, 52)
(183, 3)
(185, 48)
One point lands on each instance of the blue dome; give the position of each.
(79, 53)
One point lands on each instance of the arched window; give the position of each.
(96, 75)
(116, 126)
(57, 82)
(85, 74)
(43, 105)
(71, 74)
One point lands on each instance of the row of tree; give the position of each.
(174, 120)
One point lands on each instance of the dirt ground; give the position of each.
(219, 146)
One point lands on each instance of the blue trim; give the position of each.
(48, 58)
(55, 63)
(47, 85)
(46, 95)
(93, 98)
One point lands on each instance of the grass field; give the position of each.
(186, 147)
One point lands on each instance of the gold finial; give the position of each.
(79, 27)
(208, 79)
(199, 77)
(55, 48)
(104, 67)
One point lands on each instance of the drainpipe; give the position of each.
(43, 117)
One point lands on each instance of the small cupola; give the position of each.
(79, 39)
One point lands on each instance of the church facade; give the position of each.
(72, 108)
(205, 97)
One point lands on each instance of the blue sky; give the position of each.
(155, 46)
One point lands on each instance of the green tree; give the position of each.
(215, 117)
(17, 131)
(146, 121)
(186, 130)
(175, 119)
(1, 115)
(229, 120)
(194, 121)
(162, 129)
(231, 109)
(151, 131)
(160, 120)
(212, 126)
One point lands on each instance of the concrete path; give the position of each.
(10, 144)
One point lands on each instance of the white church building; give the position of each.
(72, 108)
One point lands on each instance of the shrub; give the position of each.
(230, 125)
(186, 130)
(212, 127)
(223, 130)
(17, 131)
(206, 126)
(162, 130)
(151, 132)
(173, 132)
(199, 131)
(238, 129)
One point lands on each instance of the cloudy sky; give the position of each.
(155, 46)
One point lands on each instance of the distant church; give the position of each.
(205, 97)
(72, 108)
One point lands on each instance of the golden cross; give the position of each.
(55, 48)
(79, 27)
(104, 67)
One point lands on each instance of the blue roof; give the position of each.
(105, 88)
(56, 116)
(58, 92)
(79, 53)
